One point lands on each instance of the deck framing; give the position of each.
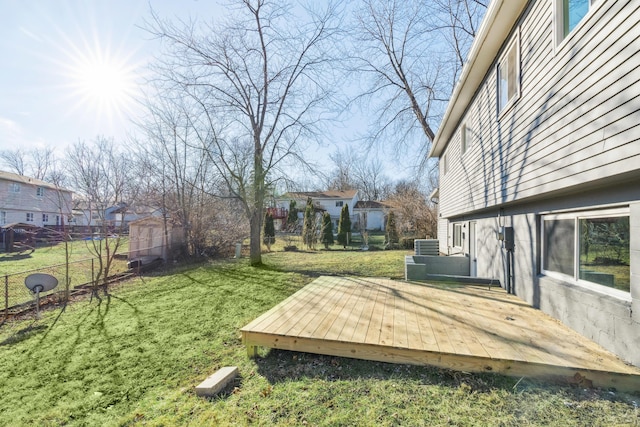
(461, 327)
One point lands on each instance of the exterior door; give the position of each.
(473, 252)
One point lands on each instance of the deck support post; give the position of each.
(252, 351)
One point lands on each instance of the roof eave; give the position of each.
(496, 26)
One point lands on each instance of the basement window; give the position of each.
(591, 248)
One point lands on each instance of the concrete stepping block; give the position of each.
(216, 382)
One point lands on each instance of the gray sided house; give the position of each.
(34, 202)
(539, 155)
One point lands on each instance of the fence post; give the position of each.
(6, 296)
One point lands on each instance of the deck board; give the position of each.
(467, 327)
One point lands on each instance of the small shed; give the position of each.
(153, 238)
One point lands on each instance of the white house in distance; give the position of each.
(372, 214)
(330, 201)
(32, 201)
(540, 162)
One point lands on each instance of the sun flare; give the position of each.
(104, 83)
(101, 81)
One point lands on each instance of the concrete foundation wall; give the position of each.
(609, 320)
(417, 267)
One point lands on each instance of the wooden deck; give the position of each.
(462, 327)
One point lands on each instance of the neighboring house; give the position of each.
(540, 162)
(32, 201)
(372, 215)
(329, 201)
(122, 214)
(87, 214)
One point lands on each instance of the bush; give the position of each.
(269, 231)
(344, 226)
(327, 230)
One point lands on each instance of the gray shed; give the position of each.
(150, 240)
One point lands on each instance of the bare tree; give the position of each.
(14, 160)
(409, 69)
(103, 176)
(181, 178)
(257, 83)
(37, 163)
(460, 19)
(359, 172)
(341, 178)
(415, 214)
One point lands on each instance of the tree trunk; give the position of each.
(255, 222)
(257, 214)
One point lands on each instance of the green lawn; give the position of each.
(135, 357)
(47, 255)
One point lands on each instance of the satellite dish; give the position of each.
(40, 282)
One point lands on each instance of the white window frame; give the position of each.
(576, 216)
(559, 20)
(15, 187)
(466, 138)
(339, 204)
(45, 218)
(30, 217)
(513, 44)
(457, 235)
(40, 192)
(3, 217)
(445, 164)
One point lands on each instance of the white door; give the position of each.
(473, 253)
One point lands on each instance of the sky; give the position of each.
(70, 70)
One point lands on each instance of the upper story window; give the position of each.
(40, 191)
(569, 13)
(45, 218)
(3, 217)
(15, 187)
(29, 216)
(465, 138)
(445, 164)
(509, 75)
(339, 204)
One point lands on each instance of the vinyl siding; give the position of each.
(574, 123)
(17, 205)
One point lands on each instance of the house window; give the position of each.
(509, 75)
(590, 247)
(457, 235)
(15, 187)
(445, 164)
(569, 13)
(3, 217)
(339, 204)
(29, 216)
(45, 218)
(465, 138)
(40, 191)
